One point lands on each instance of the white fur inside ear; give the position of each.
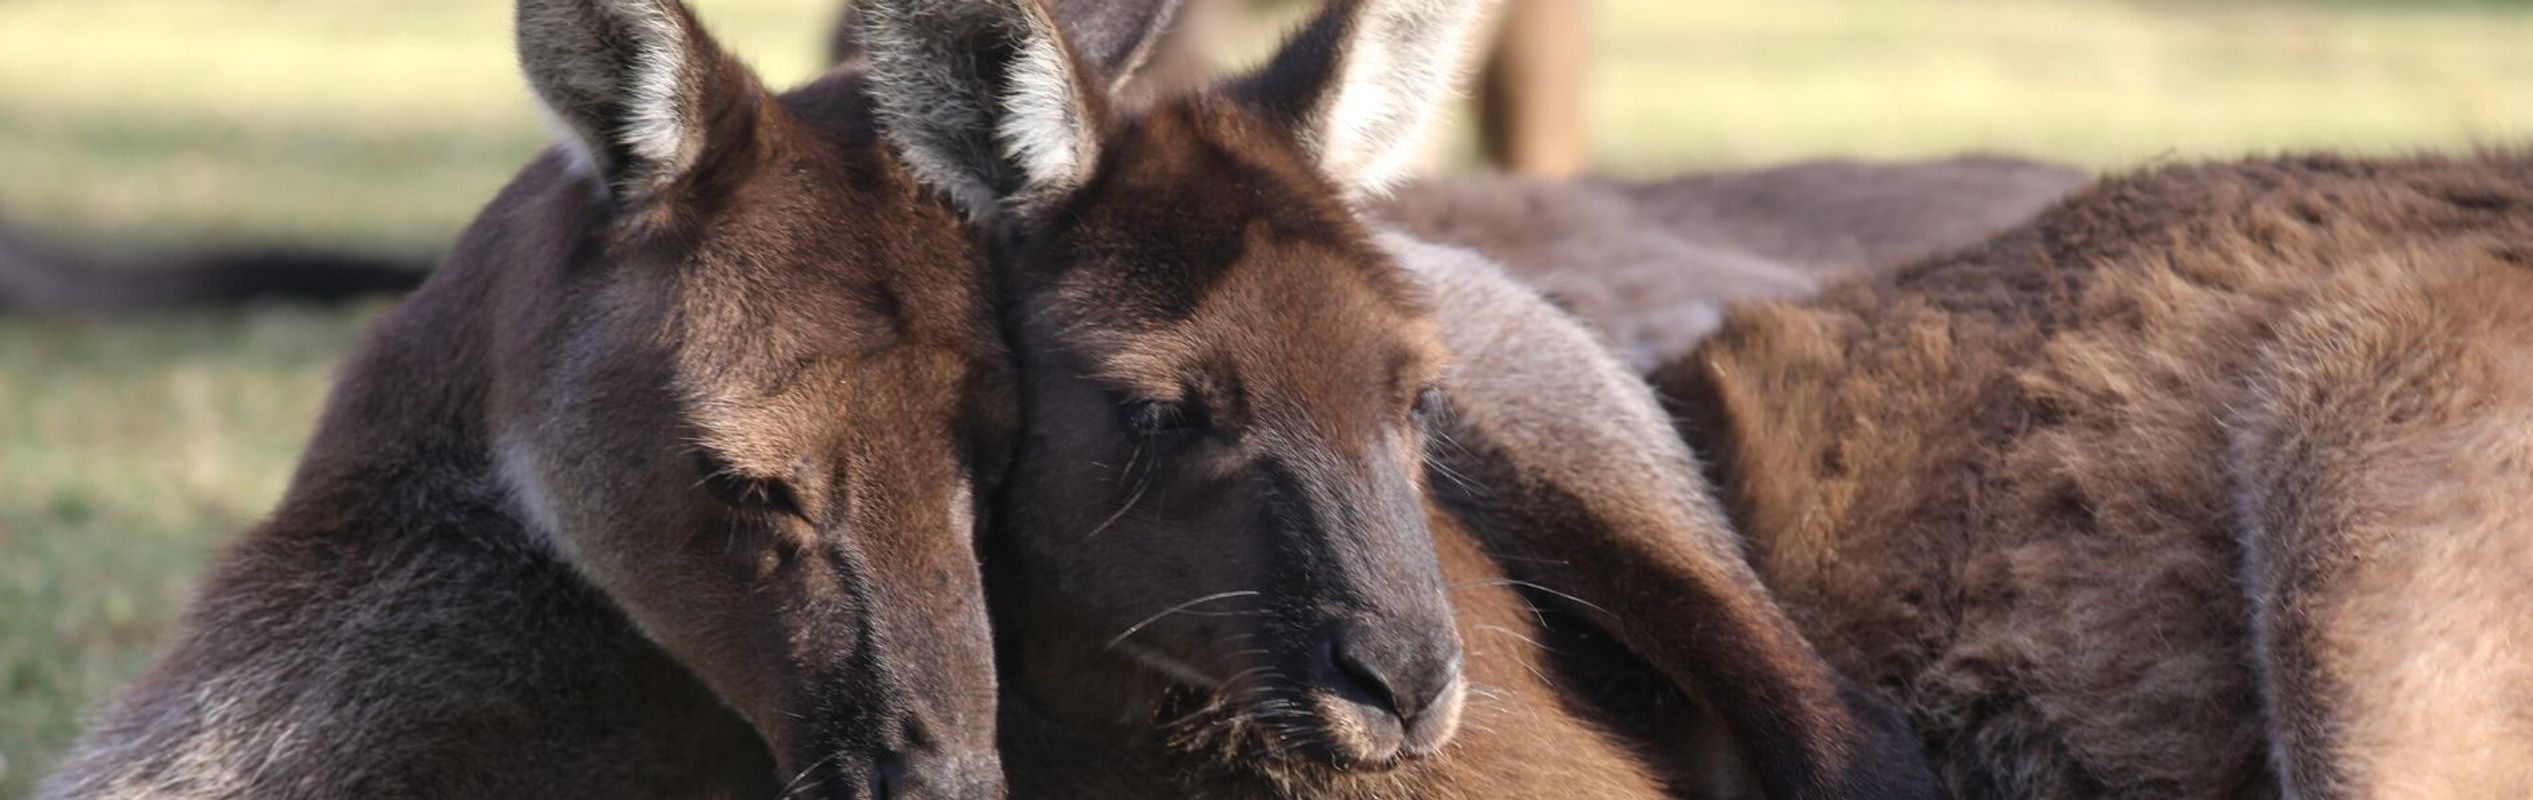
(636, 103)
(1402, 67)
(658, 113)
(1046, 128)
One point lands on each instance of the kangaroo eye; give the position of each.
(1152, 419)
(1430, 403)
(744, 492)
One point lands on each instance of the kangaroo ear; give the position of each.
(1363, 82)
(985, 99)
(1119, 36)
(643, 94)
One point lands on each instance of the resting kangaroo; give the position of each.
(2209, 482)
(1217, 577)
(664, 485)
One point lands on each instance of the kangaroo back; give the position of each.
(2024, 487)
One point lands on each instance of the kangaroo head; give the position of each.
(750, 387)
(1219, 489)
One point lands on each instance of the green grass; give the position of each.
(129, 449)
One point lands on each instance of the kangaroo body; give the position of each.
(2208, 482)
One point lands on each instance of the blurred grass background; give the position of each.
(129, 448)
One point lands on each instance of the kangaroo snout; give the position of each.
(932, 774)
(1391, 690)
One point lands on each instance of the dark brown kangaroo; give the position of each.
(1218, 578)
(663, 486)
(2210, 482)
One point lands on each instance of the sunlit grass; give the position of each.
(128, 449)
(2107, 84)
(386, 121)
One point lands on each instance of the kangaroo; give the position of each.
(665, 484)
(1223, 572)
(2208, 482)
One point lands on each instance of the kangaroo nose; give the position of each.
(936, 776)
(888, 778)
(1402, 669)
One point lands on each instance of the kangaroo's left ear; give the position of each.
(985, 99)
(1118, 35)
(644, 96)
(1363, 83)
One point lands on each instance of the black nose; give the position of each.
(935, 776)
(888, 778)
(1401, 668)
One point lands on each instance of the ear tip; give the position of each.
(635, 87)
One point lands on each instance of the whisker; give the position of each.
(1176, 669)
(795, 784)
(1529, 585)
(1515, 634)
(1132, 498)
(1147, 621)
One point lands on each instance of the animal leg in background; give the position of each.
(1531, 117)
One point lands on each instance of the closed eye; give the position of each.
(746, 493)
(1161, 419)
(1430, 404)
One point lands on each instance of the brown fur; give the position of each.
(1085, 721)
(1530, 728)
(1559, 459)
(1158, 290)
(1228, 390)
(2025, 488)
(1652, 265)
(661, 487)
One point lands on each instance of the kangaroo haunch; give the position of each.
(2209, 482)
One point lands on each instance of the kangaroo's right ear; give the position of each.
(1363, 81)
(645, 96)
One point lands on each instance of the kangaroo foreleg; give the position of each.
(1565, 465)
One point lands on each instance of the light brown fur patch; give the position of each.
(2002, 484)
(2386, 463)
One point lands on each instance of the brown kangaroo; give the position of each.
(2209, 482)
(1218, 577)
(663, 486)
